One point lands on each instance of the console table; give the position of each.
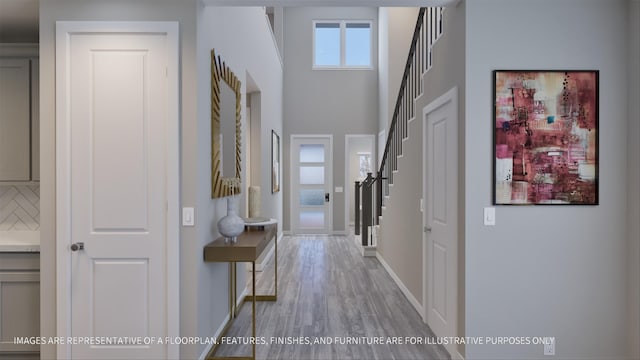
(250, 245)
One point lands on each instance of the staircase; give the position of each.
(372, 193)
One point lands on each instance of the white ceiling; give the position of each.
(19, 21)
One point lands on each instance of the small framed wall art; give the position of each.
(545, 137)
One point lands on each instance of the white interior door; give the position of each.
(120, 227)
(441, 234)
(311, 184)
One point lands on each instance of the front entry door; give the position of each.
(120, 241)
(311, 180)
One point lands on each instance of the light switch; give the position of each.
(489, 216)
(339, 189)
(187, 216)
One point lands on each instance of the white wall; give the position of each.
(242, 37)
(396, 26)
(334, 102)
(383, 68)
(547, 271)
(633, 142)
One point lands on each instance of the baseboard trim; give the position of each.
(340, 233)
(260, 266)
(368, 251)
(240, 299)
(416, 304)
(222, 326)
(287, 233)
(365, 251)
(216, 335)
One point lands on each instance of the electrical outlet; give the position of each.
(549, 345)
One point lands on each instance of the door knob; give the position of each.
(326, 197)
(77, 246)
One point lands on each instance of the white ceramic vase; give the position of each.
(231, 225)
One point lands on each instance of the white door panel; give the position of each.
(118, 204)
(441, 239)
(119, 166)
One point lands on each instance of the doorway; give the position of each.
(360, 159)
(440, 191)
(117, 186)
(311, 184)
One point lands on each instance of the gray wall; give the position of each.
(448, 71)
(396, 26)
(334, 102)
(256, 141)
(50, 12)
(401, 230)
(548, 271)
(633, 199)
(251, 50)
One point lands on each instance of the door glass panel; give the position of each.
(311, 219)
(312, 197)
(312, 153)
(311, 175)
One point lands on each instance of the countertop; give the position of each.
(19, 241)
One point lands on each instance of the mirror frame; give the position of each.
(221, 72)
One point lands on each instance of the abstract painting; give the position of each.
(545, 137)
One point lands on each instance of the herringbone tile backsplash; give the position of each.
(20, 208)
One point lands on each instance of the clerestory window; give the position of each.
(344, 44)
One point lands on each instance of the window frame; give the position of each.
(343, 45)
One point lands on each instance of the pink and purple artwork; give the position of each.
(546, 137)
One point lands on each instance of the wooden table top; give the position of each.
(250, 245)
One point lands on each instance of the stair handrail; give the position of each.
(403, 84)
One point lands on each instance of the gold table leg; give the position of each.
(234, 309)
(253, 311)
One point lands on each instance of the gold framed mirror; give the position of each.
(225, 129)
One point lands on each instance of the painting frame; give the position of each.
(546, 137)
(275, 162)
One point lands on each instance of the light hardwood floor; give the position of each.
(326, 289)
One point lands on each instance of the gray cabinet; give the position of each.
(15, 120)
(35, 120)
(19, 301)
